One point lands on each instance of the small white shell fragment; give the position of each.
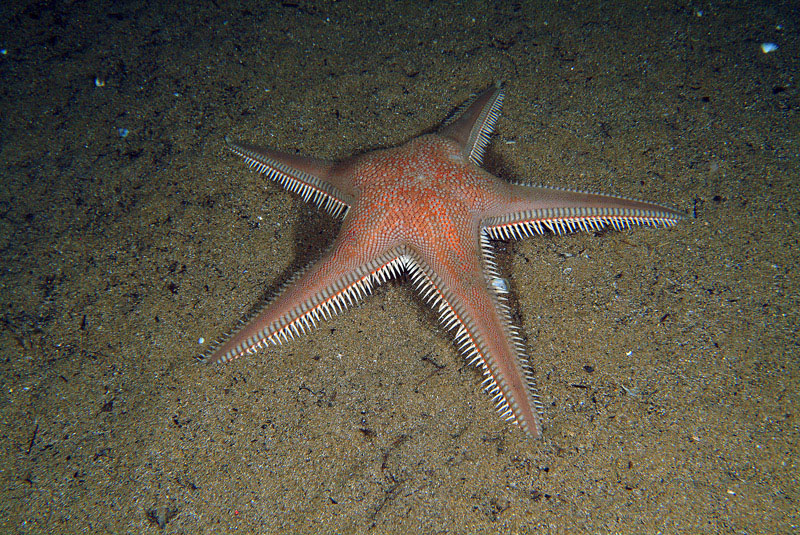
(201, 340)
(500, 285)
(766, 48)
(99, 82)
(123, 132)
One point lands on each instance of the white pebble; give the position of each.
(766, 48)
(500, 285)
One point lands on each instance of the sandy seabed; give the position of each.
(667, 359)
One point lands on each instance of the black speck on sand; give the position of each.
(667, 360)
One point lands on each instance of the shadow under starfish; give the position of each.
(426, 208)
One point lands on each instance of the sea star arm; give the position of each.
(471, 124)
(460, 286)
(528, 210)
(342, 277)
(315, 180)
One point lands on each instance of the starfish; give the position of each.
(427, 210)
